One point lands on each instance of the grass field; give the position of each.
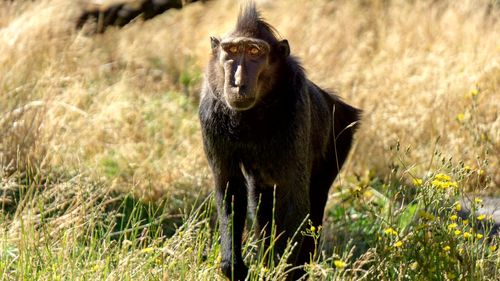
(102, 172)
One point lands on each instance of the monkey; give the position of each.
(274, 140)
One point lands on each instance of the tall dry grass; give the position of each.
(110, 102)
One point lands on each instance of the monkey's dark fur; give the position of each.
(291, 143)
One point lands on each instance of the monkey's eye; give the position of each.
(232, 49)
(254, 51)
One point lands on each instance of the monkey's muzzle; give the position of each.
(238, 98)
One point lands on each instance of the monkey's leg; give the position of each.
(264, 215)
(280, 214)
(231, 197)
(318, 195)
(297, 210)
(321, 182)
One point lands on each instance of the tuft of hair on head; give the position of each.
(248, 18)
(251, 23)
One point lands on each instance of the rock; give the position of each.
(490, 207)
(107, 13)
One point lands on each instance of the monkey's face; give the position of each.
(243, 61)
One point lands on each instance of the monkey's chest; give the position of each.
(253, 134)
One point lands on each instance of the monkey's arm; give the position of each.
(230, 190)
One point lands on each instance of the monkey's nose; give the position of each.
(238, 77)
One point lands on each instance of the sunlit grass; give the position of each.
(71, 229)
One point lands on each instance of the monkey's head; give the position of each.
(245, 61)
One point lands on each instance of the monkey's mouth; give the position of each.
(239, 100)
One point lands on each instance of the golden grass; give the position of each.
(123, 104)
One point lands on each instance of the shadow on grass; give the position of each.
(62, 199)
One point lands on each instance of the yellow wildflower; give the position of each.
(147, 250)
(493, 248)
(444, 184)
(457, 232)
(479, 236)
(460, 117)
(457, 206)
(480, 172)
(446, 248)
(398, 244)
(452, 226)
(339, 264)
(414, 266)
(436, 183)
(417, 182)
(474, 91)
(467, 235)
(442, 177)
(467, 168)
(313, 228)
(465, 222)
(481, 217)
(390, 231)
(478, 200)
(368, 193)
(453, 217)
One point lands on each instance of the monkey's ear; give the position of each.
(284, 48)
(214, 42)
